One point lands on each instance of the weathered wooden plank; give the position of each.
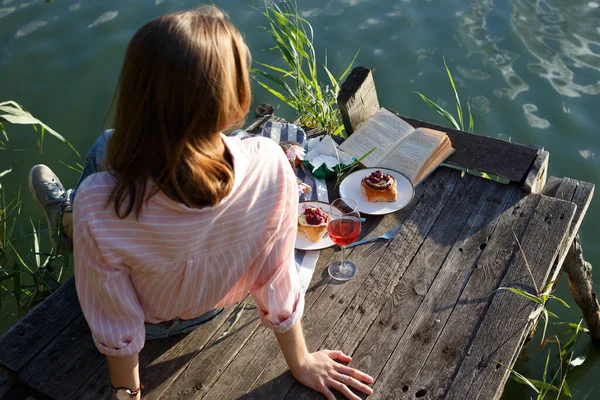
(560, 188)
(506, 323)
(431, 317)
(202, 368)
(6, 381)
(538, 173)
(372, 336)
(483, 153)
(488, 269)
(246, 367)
(382, 326)
(34, 332)
(175, 357)
(579, 193)
(357, 99)
(97, 384)
(65, 363)
(322, 317)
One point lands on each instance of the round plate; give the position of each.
(302, 243)
(350, 188)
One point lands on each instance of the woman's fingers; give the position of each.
(352, 382)
(338, 355)
(343, 369)
(343, 389)
(328, 393)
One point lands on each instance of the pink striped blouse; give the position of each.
(181, 262)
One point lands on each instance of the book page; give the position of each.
(410, 157)
(383, 131)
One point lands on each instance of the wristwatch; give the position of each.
(123, 393)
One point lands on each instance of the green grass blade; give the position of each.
(471, 123)
(517, 377)
(523, 294)
(3, 130)
(561, 301)
(439, 110)
(546, 367)
(275, 93)
(36, 245)
(458, 105)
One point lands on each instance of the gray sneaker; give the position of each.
(51, 196)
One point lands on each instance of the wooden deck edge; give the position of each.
(538, 173)
(581, 194)
(30, 335)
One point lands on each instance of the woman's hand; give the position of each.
(321, 372)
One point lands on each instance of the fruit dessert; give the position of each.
(312, 223)
(378, 186)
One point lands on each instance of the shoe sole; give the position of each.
(34, 194)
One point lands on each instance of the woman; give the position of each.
(187, 220)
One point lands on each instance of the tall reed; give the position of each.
(297, 83)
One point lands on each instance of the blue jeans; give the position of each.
(95, 162)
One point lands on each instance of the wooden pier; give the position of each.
(423, 315)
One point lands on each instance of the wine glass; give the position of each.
(343, 227)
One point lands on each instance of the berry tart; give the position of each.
(378, 186)
(312, 223)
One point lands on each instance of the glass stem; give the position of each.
(343, 266)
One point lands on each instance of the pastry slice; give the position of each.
(312, 223)
(378, 186)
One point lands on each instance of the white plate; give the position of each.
(302, 243)
(350, 188)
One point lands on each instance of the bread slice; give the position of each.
(388, 193)
(314, 233)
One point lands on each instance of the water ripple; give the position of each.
(30, 27)
(473, 28)
(533, 120)
(107, 16)
(563, 40)
(7, 10)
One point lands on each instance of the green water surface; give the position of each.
(531, 68)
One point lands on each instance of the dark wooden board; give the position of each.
(34, 332)
(483, 153)
(506, 322)
(578, 192)
(246, 367)
(64, 364)
(488, 262)
(374, 268)
(430, 319)
(357, 100)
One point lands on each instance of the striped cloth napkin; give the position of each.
(280, 132)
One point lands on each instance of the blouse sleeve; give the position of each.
(277, 290)
(107, 297)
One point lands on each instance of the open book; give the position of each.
(398, 146)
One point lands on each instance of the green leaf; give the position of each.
(561, 301)
(545, 316)
(439, 110)
(36, 245)
(471, 123)
(275, 93)
(523, 294)
(77, 168)
(458, 105)
(5, 172)
(517, 377)
(3, 130)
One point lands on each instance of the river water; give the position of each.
(530, 67)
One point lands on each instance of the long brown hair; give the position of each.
(184, 81)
